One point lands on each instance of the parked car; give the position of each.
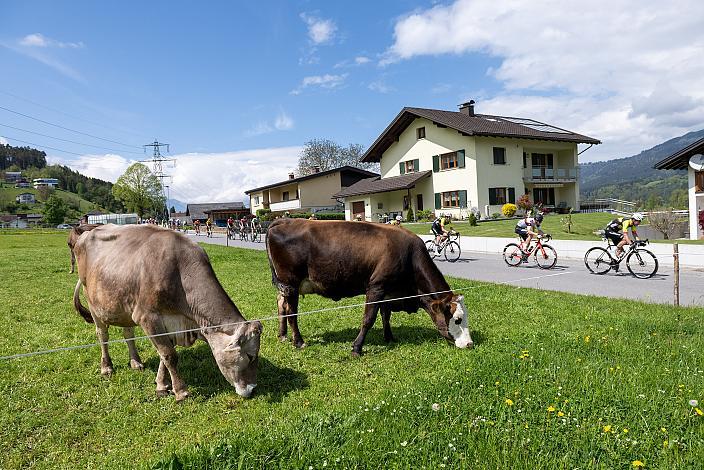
(64, 226)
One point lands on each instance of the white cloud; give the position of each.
(202, 177)
(3, 141)
(282, 122)
(637, 62)
(320, 31)
(380, 86)
(323, 81)
(361, 60)
(357, 61)
(39, 40)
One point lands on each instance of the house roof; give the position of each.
(382, 185)
(347, 168)
(198, 211)
(680, 159)
(486, 125)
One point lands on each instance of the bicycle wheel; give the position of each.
(598, 260)
(256, 237)
(545, 258)
(430, 248)
(513, 255)
(452, 251)
(642, 263)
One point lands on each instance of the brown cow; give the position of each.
(73, 238)
(338, 259)
(162, 281)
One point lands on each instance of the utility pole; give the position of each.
(158, 169)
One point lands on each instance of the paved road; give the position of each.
(568, 276)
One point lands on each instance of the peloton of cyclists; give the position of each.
(617, 231)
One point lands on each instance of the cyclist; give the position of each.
(209, 227)
(397, 220)
(617, 231)
(231, 227)
(438, 229)
(255, 224)
(527, 228)
(196, 225)
(313, 217)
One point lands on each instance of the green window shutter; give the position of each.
(416, 164)
(436, 163)
(402, 167)
(492, 197)
(438, 201)
(512, 195)
(460, 158)
(463, 198)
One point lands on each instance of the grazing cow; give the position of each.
(73, 238)
(338, 259)
(162, 281)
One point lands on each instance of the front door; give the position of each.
(419, 202)
(358, 209)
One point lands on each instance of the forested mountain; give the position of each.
(635, 179)
(32, 163)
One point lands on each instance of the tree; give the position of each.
(172, 210)
(326, 155)
(55, 210)
(665, 222)
(44, 192)
(139, 190)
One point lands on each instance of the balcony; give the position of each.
(285, 205)
(550, 175)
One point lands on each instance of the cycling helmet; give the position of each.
(637, 216)
(399, 218)
(539, 218)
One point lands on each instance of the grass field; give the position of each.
(555, 381)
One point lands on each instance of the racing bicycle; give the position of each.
(640, 262)
(545, 256)
(449, 246)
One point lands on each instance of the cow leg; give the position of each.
(292, 312)
(386, 318)
(135, 360)
(282, 307)
(101, 331)
(163, 381)
(167, 353)
(370, 313)
(73, 262)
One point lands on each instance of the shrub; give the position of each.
(264, 214)
(424, 215)
(701, 220)
(472, 219)
(409, 215)
(508, 209)
(524, 203)
(330, 216)
(299, 215)
(495, 215)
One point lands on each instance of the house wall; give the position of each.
(315, 193)
(276, 194)
(696, 204)
(254, 207)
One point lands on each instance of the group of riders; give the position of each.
(243, 225)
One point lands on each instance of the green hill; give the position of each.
(76, 204)
(635, 179)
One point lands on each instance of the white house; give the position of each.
(48, 182)
(452, 162)
(26, 198)
(689, 158)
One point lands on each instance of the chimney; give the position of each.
(467, 108)
(290, 176)
(316, 169)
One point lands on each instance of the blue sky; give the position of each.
(236, 88)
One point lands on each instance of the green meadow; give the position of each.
(555, 381)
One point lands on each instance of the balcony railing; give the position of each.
(564, 174)
(285, 205)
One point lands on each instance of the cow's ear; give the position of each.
(458, 298)
(234, 345)
(436, 307)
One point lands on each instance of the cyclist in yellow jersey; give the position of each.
(617, 231)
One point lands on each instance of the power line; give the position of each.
(44, 146)
(69, 141)
(67, 128)
(70, 115)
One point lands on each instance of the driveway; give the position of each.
(569, 275)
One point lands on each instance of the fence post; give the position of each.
(676, 255)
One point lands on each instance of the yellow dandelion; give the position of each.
(560, 414)
(638, 464)
(699, 411)
(551, 409)
(607, 428)
(587, 338)
(625, 430)
(663, 429)
(665, 443)
(509, 402)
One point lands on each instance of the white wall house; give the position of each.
(451, 162)
(680, 161)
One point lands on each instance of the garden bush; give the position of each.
(472, 219)
(508, 209)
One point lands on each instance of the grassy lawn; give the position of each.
(555, 381)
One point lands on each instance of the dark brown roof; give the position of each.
(680, 160)
(382, 185)
(478, 125)
(198, 211)
(349, 169)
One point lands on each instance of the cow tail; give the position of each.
(280, 286)
(85, 313)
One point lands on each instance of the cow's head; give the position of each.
(450, 316)
(238, 357)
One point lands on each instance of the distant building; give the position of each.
(309, 193)
(118, 219)
(26, 198)
(680, 161)
(217, 211)
(45, 182)
(23, 184)
(13, 176)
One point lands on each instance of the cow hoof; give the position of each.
(299, 344)
(106, 371)
(283, 338)
(163, 393)
(390, 339)
(356, 353)
(182, 396)
(136, 365)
